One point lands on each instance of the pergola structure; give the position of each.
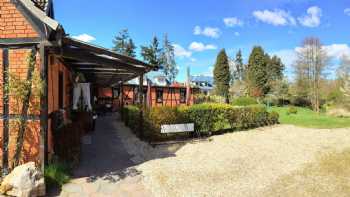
(99, 65)
(28, 26)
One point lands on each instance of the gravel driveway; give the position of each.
(249, 163)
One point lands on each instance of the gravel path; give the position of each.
(236, 164)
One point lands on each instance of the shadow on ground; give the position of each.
(104, 155)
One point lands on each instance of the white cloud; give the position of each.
(276, 17)
(212, 32)
(232, 21)
(198, 46)
(197, 30)
(193, 59)
(237, 33)
(337, 50)
(313, 17)
(84, 38)
(181, 52)
(347, 11)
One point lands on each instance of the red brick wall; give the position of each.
(18, 65)
(55, 67)
(13, 24)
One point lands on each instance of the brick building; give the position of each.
(154, 95)
(28, 29)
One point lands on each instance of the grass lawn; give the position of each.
(308, 118)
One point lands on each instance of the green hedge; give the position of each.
(244, 101)
(131, 116)
(207, 118)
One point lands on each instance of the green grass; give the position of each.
(308, 118)
(57, 174)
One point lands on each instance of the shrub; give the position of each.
(56, 174)
(244, 101)
(208, 117)
(250, 117)
(131, 116)
(292, 110)
(154, 118)
(301, 102)
(273, 118)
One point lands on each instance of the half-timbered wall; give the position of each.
(13, 25)
(171, 95)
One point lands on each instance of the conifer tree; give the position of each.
(152, 54)
(123, 44)
(257, 72)
(222, 75)
(170, 69)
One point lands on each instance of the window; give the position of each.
(159, 93)
(60, 90)
(183, 95)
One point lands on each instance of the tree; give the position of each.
(275, 68)
(239, 70)
(257, 72)
(153, 53)
(344, 76)
(222, 75)
(170, 69)
(123, 44)
(310, 66)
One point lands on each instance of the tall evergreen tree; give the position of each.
(275, 68)
(222, 75)
(152, 54)
(123, 44)
(168, 60)
(257, 72)
(238, 73)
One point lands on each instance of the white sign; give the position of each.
(177, 128)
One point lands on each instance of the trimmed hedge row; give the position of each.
(208, 118)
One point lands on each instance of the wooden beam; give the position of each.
(108, 52)
(86, 56)
(18, 42)
(44, 108)
(5, 122)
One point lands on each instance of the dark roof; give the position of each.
(100, 65)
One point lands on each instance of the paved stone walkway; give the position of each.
(106, 168)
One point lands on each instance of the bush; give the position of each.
(251, 117)
(292, 110)
(155, 117)
(207, 118)
(301, 102)
(56, 174)
(244, 101)
(131, 116)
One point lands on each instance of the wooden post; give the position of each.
(149, 94)
(44, 108)
(140, 96)
(141, 102)
(5, 121)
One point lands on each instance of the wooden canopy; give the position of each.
(99, 65)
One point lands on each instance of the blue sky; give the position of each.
(199, 29)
